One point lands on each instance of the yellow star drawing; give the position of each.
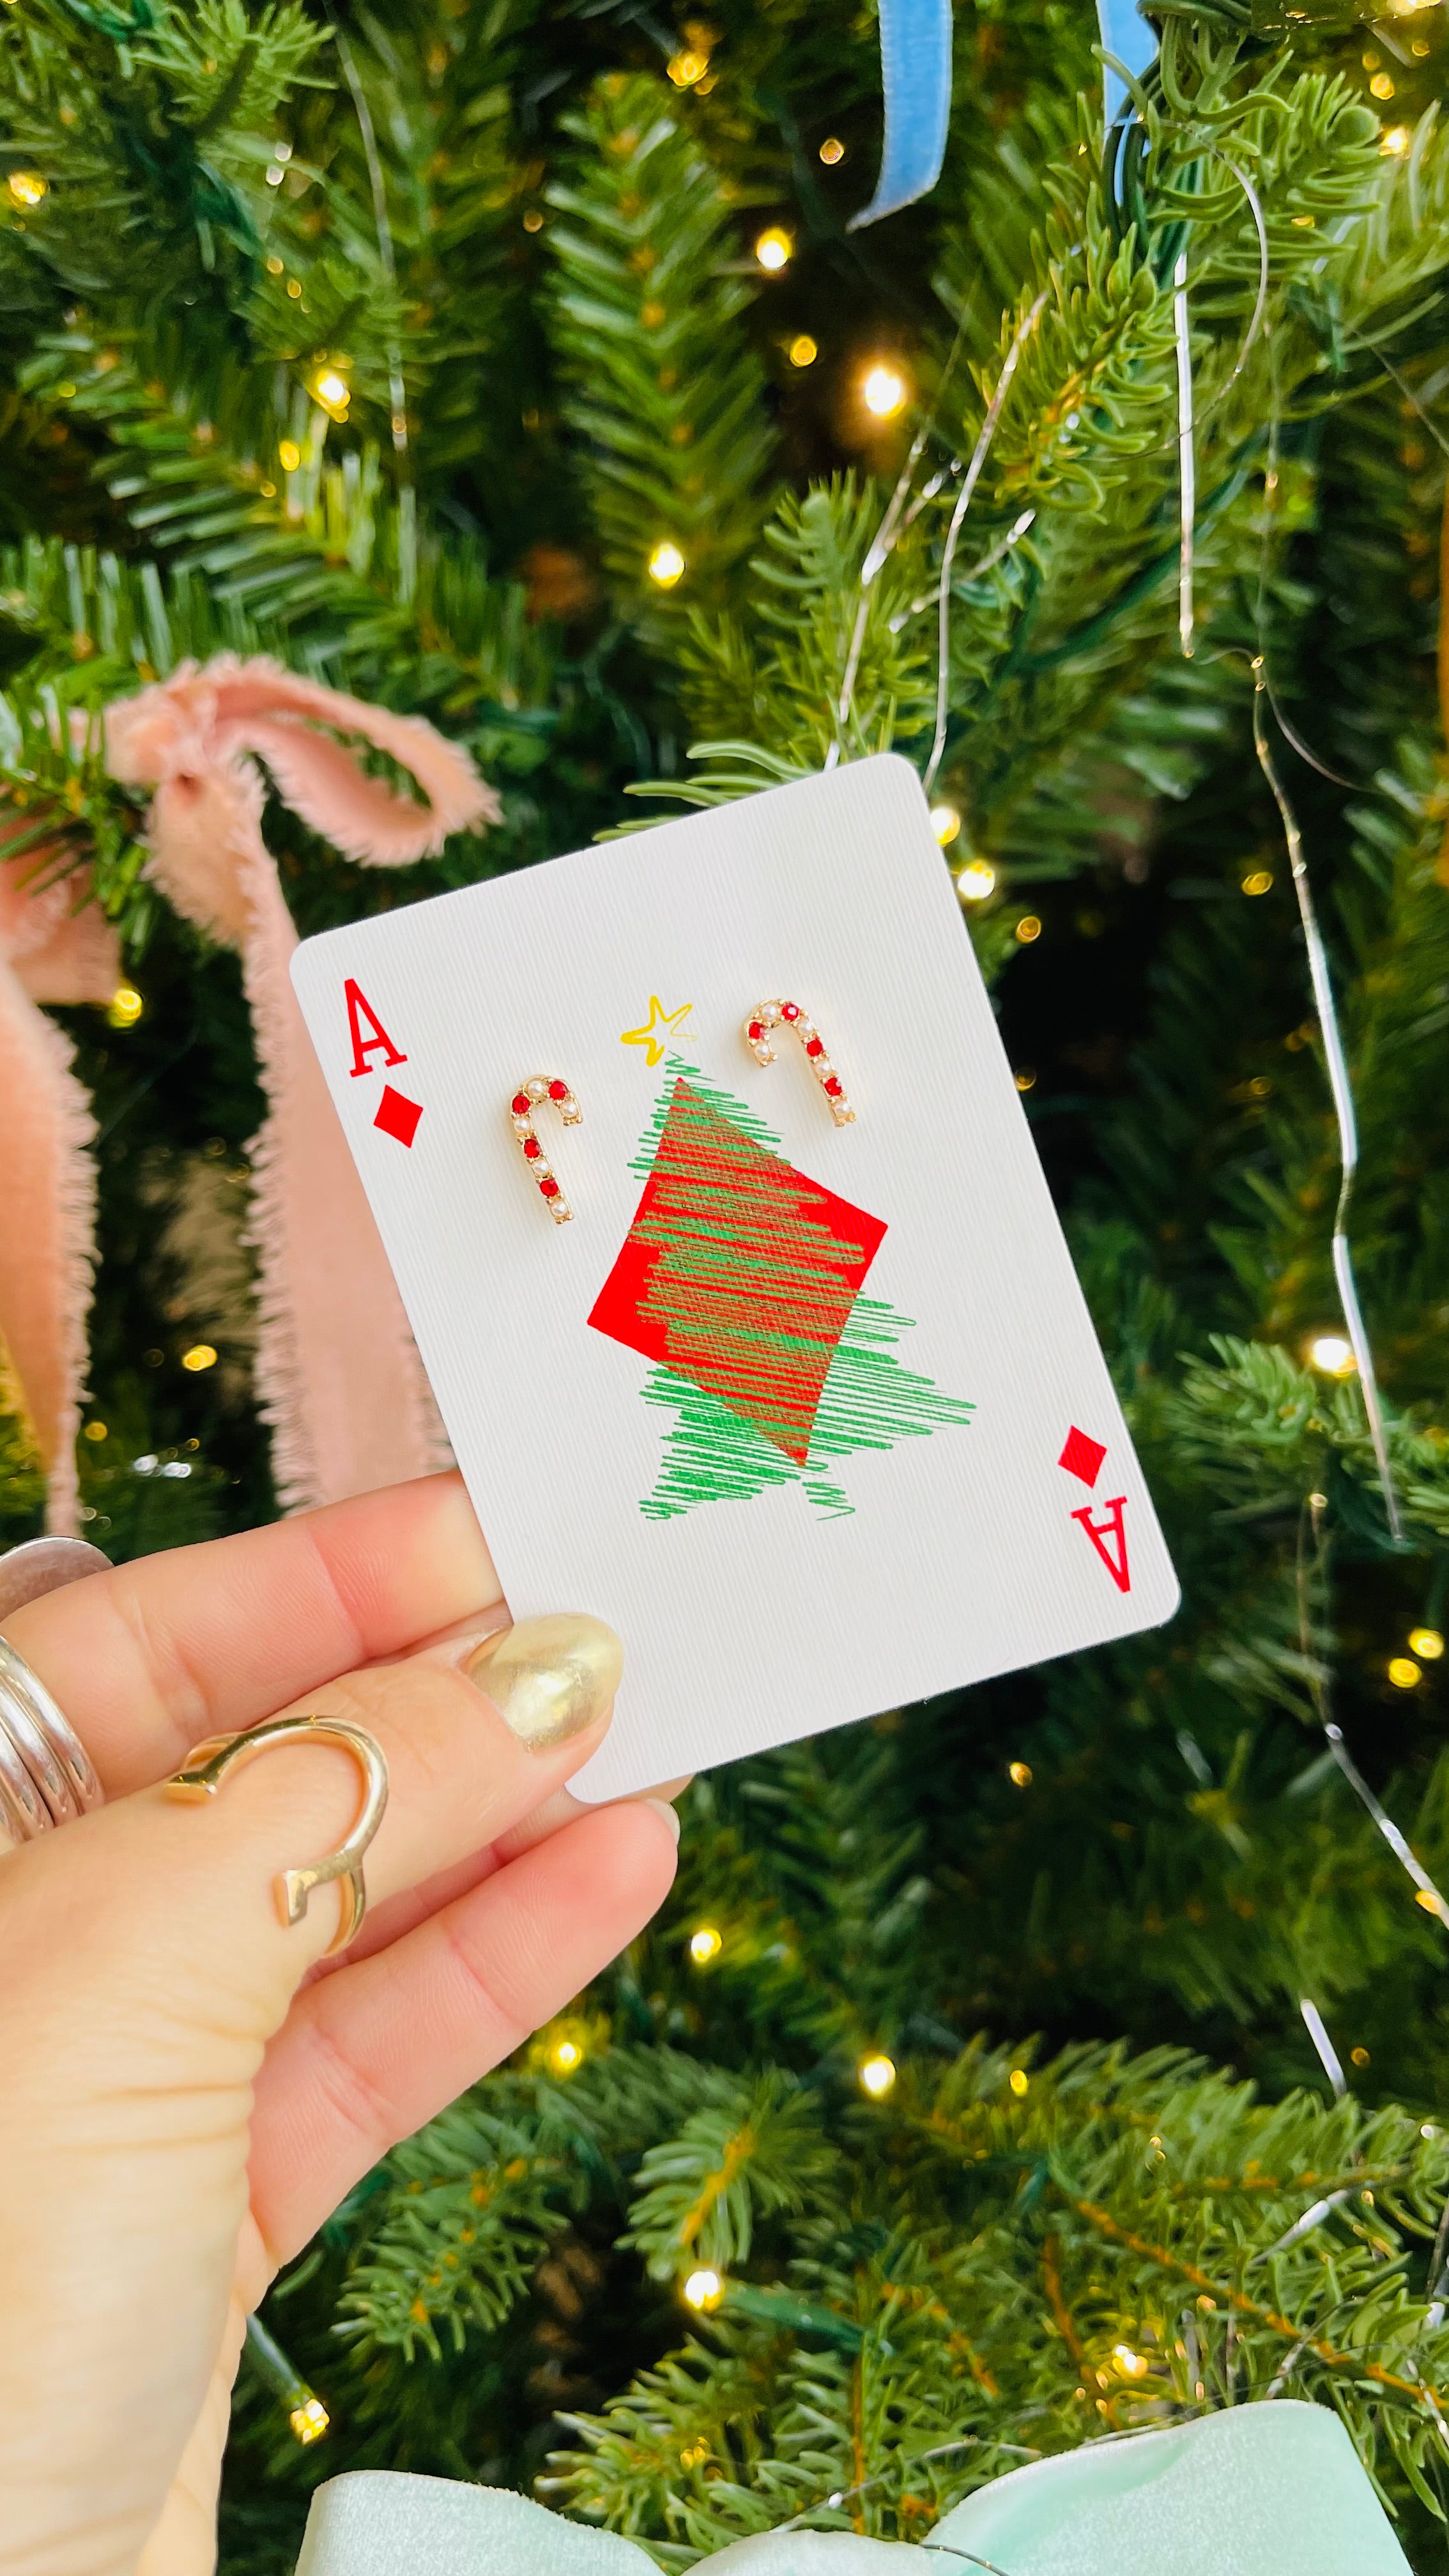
(658, 1019)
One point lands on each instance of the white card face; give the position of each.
(812, 1413)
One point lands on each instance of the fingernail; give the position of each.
(662, 1807)
(549, 1678)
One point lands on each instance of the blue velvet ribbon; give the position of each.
(915, 61)
(915, 57)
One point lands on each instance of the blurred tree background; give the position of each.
(511, 362)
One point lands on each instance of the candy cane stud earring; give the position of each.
(765, 1022)
(531, 1095)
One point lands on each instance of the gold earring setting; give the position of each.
(772, 1017)
(541, 1091)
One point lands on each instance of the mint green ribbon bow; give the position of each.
(1262, 2490)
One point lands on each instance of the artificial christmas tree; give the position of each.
(514, 367)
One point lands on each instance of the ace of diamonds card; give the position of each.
(806, 1404)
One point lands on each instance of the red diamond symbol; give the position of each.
(397, 1115)
(1082, 1456)
(738, 1272)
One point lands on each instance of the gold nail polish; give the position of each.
(549, 1678)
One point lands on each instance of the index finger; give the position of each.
(151, 1657)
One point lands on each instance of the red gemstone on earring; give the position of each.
(532, 1148)
(755, 1031)
(814, 1046)
(833, 1088)
(789, 1010)
(521, 1104)
(549, 1189)
(558, 1091)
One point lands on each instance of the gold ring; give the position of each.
(207, 1765)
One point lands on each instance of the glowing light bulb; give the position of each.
(332, 391)
(1019, 2080)
(1131, 2364)
(705, 1944)
(883, 391)
(1332, 1354)
(975, 881)
(875, 2076)
(945, 823)
(125, 1007)
(687, 67)
(1404, 1673)
(1395, 141)
(832, 150)
(803, 351)
(565, 2055)
(1019, 1773)
(200, 1356)
(774, 248)
(289, 456)
(309, 2421)
(666, 564)
(1427, 1644)
(1258, 881)
(703, 2290)
(27, 187)
(1028, 929)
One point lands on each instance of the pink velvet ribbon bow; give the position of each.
(55, 946)
(338, 1377)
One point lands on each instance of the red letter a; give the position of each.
(359, 1009)
(1101, 1532)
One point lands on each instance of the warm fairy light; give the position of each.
(1019, 1774)
(883, 391)
(705, 1944)
(332, 391)
(1332, 1354)
(1431, 1904)
(1133, 2365)
(1258, 881)
(96, 1431)
(666, 564)
(1358, 2057)
(803, 351)
(1427, 1644)
(1026, 1077)
(1028, 929)
(703, 2290)
(565, 2055)
(975, 881)
(875, 2076)
(289, 456)
(832, 150)
(1395, 141)
(200, 1356)
(1404, 1673)
(945, 823)
(125, 1007)
(687, 67)
(310, 2420)
(774, 249)
(27, 187)
(1381, 86)
(1018, 2079)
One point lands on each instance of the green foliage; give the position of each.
(525, 252)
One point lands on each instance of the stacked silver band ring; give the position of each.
(47, 1777)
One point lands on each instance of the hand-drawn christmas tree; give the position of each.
(741, 1279)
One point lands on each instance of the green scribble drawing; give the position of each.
(724, 1102)
(870, 1402)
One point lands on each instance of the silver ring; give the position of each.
(23, 1811)
(45, 1742)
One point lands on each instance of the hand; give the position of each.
(186, 2093)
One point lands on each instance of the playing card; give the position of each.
(781, 1367)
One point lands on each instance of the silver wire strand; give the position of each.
(1341, 1090)
(1186, 460)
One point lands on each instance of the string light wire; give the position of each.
(1333, 1733)
(1186, 458)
